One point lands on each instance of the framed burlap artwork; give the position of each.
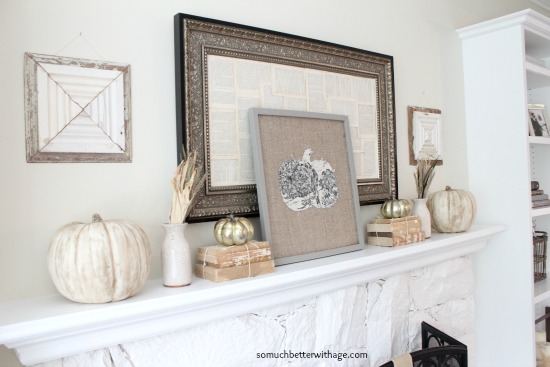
(306, 184)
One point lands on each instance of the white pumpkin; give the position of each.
(99, 262)
(452, 210)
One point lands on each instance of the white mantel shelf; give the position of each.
(51, 327)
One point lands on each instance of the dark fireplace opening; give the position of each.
(438, 350)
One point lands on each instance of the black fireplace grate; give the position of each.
(438, 350)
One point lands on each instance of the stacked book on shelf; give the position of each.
(395, 232)
(538, 198)
(220, 263)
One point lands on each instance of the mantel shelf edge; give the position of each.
(47, 328)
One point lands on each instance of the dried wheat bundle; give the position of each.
(185, 186)
(424, 174)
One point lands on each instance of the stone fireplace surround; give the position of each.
(370, 301)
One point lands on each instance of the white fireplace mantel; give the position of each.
(51, 327)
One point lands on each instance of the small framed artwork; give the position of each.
(538, 124)
(77, 110)
(307, 192)
(425, 134)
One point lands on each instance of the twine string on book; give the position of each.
(204, 260)
(247, 252)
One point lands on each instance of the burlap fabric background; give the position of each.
(302, 232)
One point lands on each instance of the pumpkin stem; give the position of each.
(96, 218)
(448, 188)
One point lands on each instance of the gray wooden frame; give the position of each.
(197, 37)
(266, 211)
(32, 124)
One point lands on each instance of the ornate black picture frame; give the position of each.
(225, 69)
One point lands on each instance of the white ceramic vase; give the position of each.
(420, 209)
(177, 268)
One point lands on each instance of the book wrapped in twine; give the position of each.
(395, 232)
(221, 263)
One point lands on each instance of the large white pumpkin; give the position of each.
(99, 262)
(452, 210)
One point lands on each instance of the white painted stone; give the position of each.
(120, 356)
(442, 282)
(387, 319)
(381, 318)
(96, 358)
(341, 323)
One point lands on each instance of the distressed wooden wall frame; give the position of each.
(212, 56)
(77, 110)
(425, 134)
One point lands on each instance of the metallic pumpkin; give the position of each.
(233, 231)
(395, 208)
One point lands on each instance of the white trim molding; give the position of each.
(528, 18)
(51, 327)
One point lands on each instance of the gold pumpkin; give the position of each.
(452, 210)
(395, 208)
(99, 262)
(233, 231)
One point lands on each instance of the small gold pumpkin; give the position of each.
(395, 208)
(232, 230)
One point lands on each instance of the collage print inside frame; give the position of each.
(236, 85)
(224, 69)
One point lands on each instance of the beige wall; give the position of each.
(36, 199)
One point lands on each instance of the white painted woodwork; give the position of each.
(47, 328)
(85, 108)
(502, 160)
(427, 135)
(380, 319)
(76, 110)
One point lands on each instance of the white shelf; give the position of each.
(497, 72)
(47, 328)
(537, 76)
(543, 140)
(542, 290)
(537, 212)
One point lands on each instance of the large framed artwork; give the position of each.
(225, 69)
(309, 205)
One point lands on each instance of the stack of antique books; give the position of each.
(538, 197)
(395, 232)
(220, 263)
